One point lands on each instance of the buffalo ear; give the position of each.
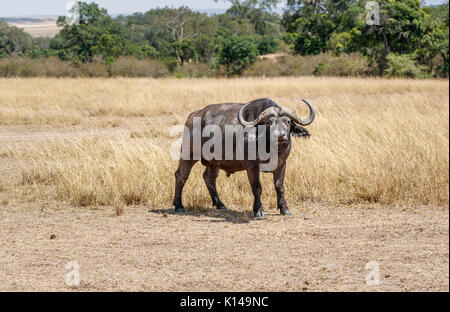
(298, 131)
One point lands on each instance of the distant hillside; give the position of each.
(27, 20)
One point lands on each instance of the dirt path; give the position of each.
(318, 249)
(20, 134)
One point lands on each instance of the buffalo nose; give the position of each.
(282, 134)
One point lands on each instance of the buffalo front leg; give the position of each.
(210, 176)
(278, 180)
(253, 177)
(181, 176)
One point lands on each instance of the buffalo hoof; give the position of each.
(260, 214)
(180, 210)
(285, 213)
(222, 207)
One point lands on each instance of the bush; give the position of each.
(322, 64)
(404, 66)
(345, 65)
(318, 69)
(308, 44)
(171, 65)
(18, 67)
(132, 67)
(268, 45)
(339, 43)
(54, 67)
(94, 69)
(194, 70)
(237, 53)
(284, 66)
(49, 67)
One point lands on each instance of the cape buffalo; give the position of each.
(257, 118)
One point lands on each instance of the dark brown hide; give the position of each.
(227, 114)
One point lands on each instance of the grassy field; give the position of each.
(75, 151)
(378, 141)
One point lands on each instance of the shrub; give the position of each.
(54, 67)
(339, 43)
(322, 64)
(194, 70)
(318, 69)
(403, 66)
(268, 45)
(49, 67)
(171, 65)
(21, 67)
(345, 65)
(308, 44)
(94, 69)
(132, 67)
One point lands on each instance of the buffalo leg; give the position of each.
(181, 176)
(210, 177)
(278, 180)
(253, 177)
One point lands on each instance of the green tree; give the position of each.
(267, 45)
(14, 41)
(167, 28)
(95, 33)
(205, 47)
(257, 12)
(237, 53)
(109, 46)
(401, 28)
(185, 50)
(232, 25)
(434, 45)
(312, 23)
(243, 7)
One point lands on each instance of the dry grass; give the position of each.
(62, 102)
(379, 141)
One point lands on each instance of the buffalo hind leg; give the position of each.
(210, 177)
(181, 176)
(278, 181)
(253, 177)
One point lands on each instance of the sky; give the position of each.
(13, 8)
(22, 8)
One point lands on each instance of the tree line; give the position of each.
(396, 38)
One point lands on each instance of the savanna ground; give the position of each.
(85, 175)
(38, 26)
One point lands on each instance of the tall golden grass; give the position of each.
(374, 140)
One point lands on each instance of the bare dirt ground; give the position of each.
(320, 248)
